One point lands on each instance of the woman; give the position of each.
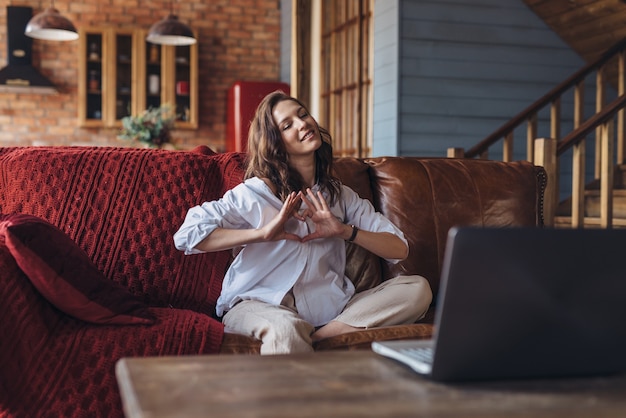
(290, 217)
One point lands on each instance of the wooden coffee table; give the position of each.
(344, 384)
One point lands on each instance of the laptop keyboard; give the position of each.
(418, 355)
(423, 354)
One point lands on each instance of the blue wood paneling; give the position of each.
(386, 78)
(464, 69)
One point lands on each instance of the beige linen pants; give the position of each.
(402, 300)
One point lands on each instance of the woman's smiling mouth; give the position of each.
(308, 135)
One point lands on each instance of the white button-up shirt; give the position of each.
(266, 271)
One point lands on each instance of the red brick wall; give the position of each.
(238, 40)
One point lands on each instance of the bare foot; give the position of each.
(331, 329)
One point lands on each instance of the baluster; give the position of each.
(600, 99)
(578, 162)
(606, 175)
(555, 133)
(621, 115)
(507, 147)
(531, 135)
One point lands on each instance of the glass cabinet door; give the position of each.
(92, 74)
(154, 76)
(177, 72)
(124, 75)
(186, 85)
(182, 83)
(108, 76)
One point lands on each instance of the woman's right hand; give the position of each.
(275, 229)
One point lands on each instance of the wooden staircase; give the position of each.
(592, 204)
(601, 202)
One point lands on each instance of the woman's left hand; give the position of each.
(326, 224)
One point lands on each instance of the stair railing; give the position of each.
(553, 99)
(602, 122)
(548, 150)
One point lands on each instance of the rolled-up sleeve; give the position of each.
(231, 211)
(197, 226)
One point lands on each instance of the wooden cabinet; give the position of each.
(121, 74)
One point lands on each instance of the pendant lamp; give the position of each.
(51, 25)
(171, 31)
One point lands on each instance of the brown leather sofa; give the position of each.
(121, 206)
(425, 197)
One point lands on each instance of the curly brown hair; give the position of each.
(267, 156)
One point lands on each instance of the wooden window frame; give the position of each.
(345, 88)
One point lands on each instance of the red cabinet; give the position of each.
(243, 99)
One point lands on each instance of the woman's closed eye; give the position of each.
(302, 116)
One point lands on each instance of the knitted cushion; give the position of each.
(65, 275)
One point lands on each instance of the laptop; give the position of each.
(525, 303)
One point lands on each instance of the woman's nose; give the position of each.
(300, 124)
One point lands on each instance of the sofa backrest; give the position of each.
(122, 206)
(425, 197)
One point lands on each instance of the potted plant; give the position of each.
(152, 127)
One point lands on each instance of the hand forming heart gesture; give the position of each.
(326, 224)
(275, 229)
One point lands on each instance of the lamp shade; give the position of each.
(50, 25)
(170, 31)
